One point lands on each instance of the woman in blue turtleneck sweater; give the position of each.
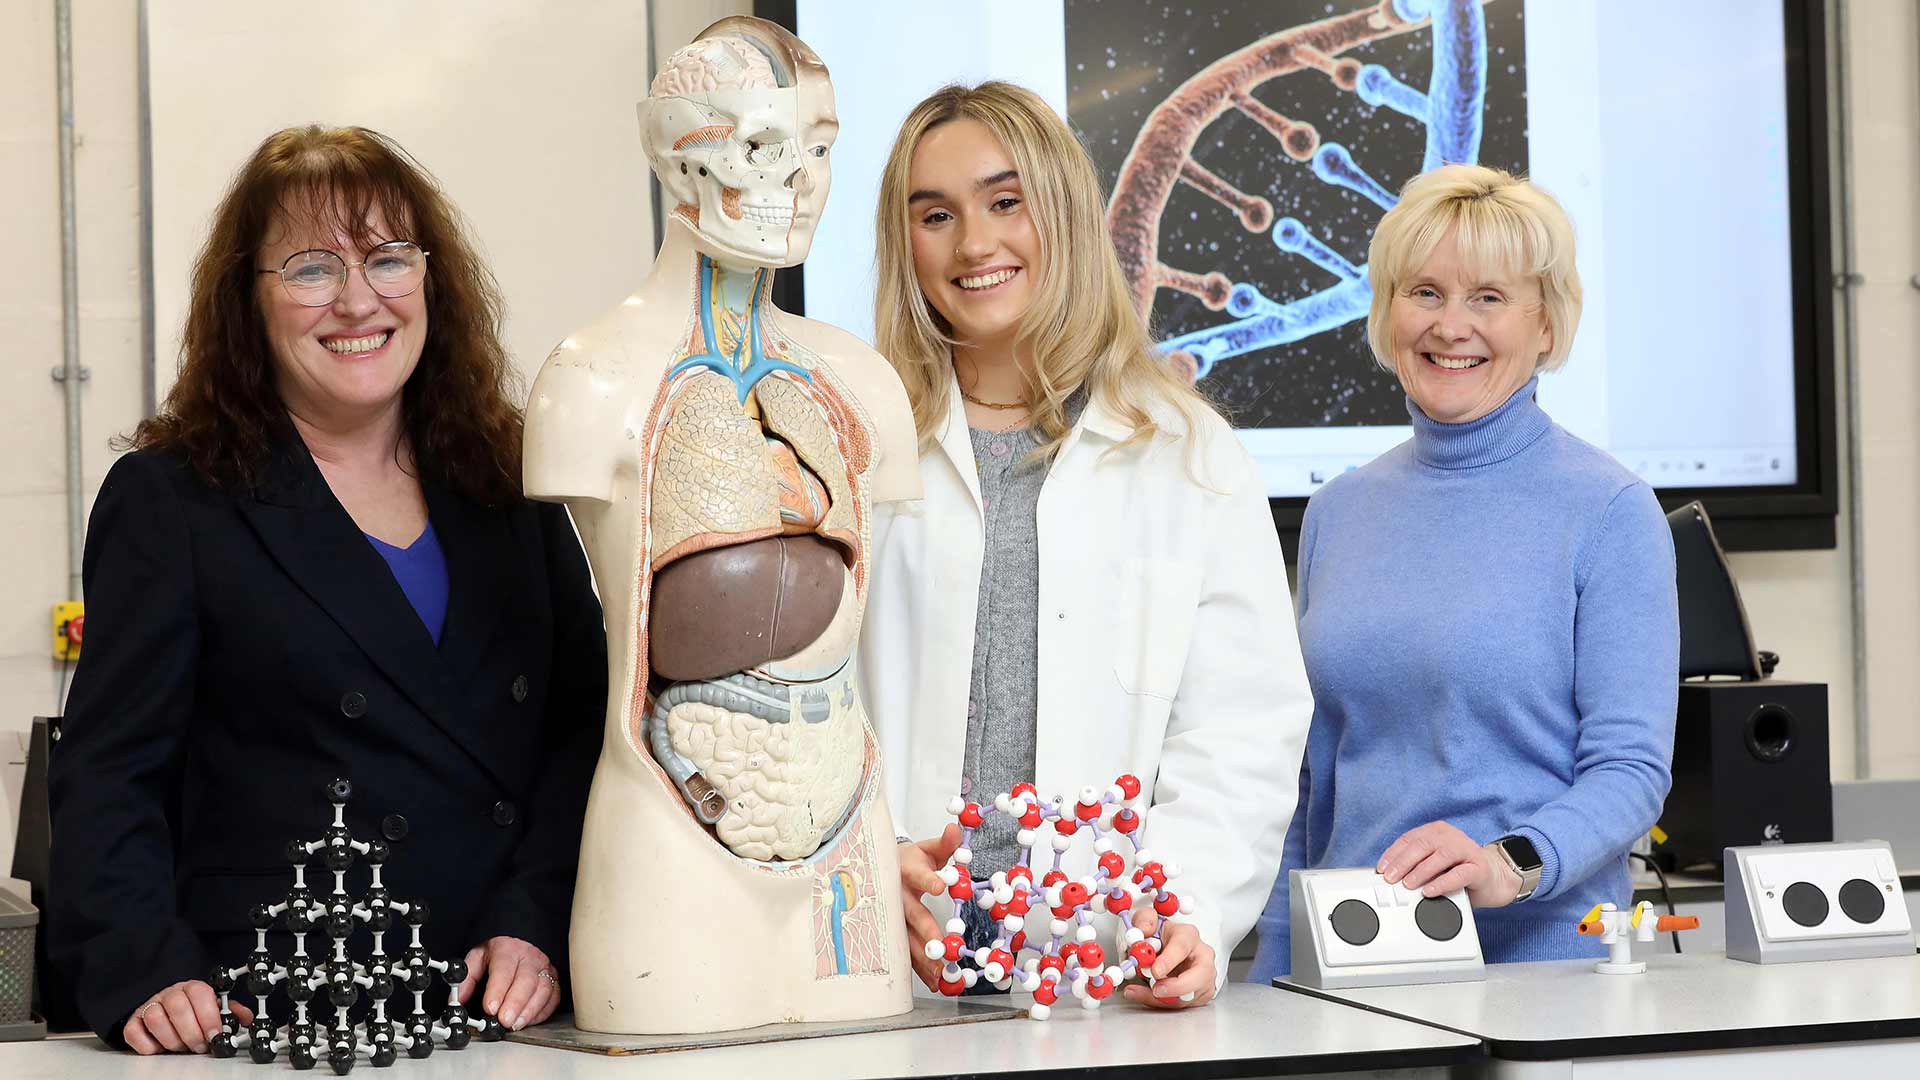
(1487, 611)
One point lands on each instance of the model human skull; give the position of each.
(739, 135)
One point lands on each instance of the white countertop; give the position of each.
(1696, 1001)
(1249, 1031)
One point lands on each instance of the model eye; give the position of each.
(752, 146)
(819, 151)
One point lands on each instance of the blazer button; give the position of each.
(519, 688)
(354, 705)
(394, 827)
(503, 813)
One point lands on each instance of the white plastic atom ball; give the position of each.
(1186, 905)
(1003, 894)
(956, 926)
(1003, 985)
(949, 875)
(993, 972)
(955, 805)
(1053, 895)
(1142, 855)
(1085, 933)
(1172, 869)
(970, 976)
(1114, 973)
(1089, 1002)
(963, 856)
(1024, 838)
(1059, 928)
(1014, 923)
(998, 880)
(1089, 796)
(935, 949)
(1062, 842)
(1030, 965)
(1115, 793)
(1080, 985)
(1002, 803)
(1134, 934)
(1039, 1011)
(1103, 845)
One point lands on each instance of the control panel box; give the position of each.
(1350, 928)
(1836, 901)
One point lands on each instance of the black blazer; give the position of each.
(243, 650)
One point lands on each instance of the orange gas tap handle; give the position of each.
(1676, 922)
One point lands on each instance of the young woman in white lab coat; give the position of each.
(1092, 584)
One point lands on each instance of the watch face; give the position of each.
(1521, 851)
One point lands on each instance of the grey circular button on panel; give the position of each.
(1355, 922)
(520, 687)
(353, 705)
(1438, 918)
(1862, 901)
(394, 827)
(1805, 903)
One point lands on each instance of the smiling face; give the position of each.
(975, 246)
(1464, 338)
(347, 361)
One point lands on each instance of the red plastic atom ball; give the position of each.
(953, 944)
(1019, 872)
(1084, 812)
(1073, 894)
(952, 987)
(1019, 941)
(1143, 954)
(1066, 826)
(962, 888)
(1062, 911)
(1151, 875)
(1023, 788)
(1119, 903)
(1069, 951)
(1054, 877)
(1126, 821)
(1001, 957)
(1092, 955)
(1020, 904)
(1053, 963)
(1046, 993)
(1129, 785)
(1168, 905)
(1031, 819)
(1100, 988)
(1112, 864)
(997, 912)
(970, 815)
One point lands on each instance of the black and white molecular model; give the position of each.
(333, 977)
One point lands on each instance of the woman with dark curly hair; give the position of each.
(317, 563)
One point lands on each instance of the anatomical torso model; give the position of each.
(721, 460)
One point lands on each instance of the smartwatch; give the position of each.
(1524, 860)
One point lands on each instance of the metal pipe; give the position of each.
(70, 373)
(149, 378)
(1846, 281)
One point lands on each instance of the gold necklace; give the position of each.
(992, 404)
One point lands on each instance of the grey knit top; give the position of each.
(1002, 708)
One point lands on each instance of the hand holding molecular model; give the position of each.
(1017, 903)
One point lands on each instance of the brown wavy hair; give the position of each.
(224, 414)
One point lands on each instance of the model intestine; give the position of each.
(1072, 953)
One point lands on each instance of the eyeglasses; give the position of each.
(316, 278)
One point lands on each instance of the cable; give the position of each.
(60, 699)
(1666, 890)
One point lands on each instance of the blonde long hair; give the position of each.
(1080, 329)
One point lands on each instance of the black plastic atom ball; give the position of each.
(339, 791)
(297, 852)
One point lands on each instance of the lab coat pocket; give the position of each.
(1153, 625)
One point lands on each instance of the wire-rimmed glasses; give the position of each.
(316, 277)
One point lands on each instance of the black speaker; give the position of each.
(1749, 767)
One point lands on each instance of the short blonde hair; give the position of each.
(1500, 222)
(1081, 326)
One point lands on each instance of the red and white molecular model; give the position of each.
(1072, 955)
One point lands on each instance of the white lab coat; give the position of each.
(1166, 650)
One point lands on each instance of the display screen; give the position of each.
(1250, 146)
